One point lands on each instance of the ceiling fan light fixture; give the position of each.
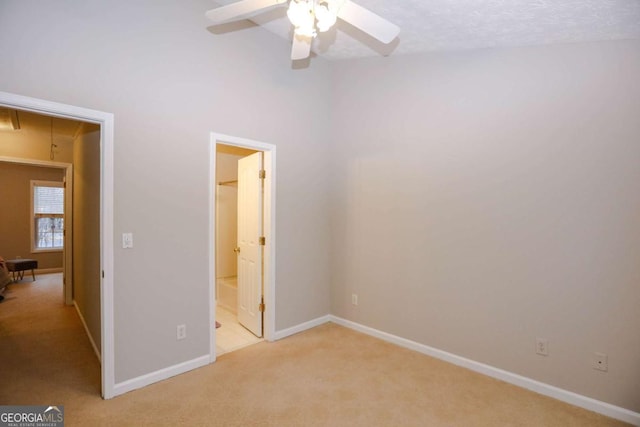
(310, 16)
(300, 13)
(326, 17)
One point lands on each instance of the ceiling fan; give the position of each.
(310, 17)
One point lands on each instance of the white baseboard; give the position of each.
(509, 377)
(301, 327)
(86, 329)
(162, 374)
(181, 368)
(47, 270)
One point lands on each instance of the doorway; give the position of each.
(25, 170)
(105, 123)
(242, 242)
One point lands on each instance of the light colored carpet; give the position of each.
(328, 376)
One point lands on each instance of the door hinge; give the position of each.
(261, 241)
(262, 174)
(261, 306)
(103, 274)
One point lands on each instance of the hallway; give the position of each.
(43, 342)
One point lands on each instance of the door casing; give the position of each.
(269, 232)
(67, 263)
(106, 122)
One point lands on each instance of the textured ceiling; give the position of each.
(445, 25)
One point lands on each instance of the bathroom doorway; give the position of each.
(242, 244)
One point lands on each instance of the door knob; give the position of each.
(236, 250)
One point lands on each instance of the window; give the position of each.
(47, 225)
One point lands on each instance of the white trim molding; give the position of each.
(48, 270)
(269, 232)
(86, 329)
(160, 375)
(570, 397)
(106, 122)
(302, 327)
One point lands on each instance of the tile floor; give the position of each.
(231, 335)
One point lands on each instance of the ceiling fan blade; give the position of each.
(239, 10)
(369, 22)
(301, 47)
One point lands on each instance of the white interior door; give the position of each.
(249, 233)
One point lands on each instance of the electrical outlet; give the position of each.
(599, 362)
(542, 346)
(127, 240)
(181, 332)
(354, 299)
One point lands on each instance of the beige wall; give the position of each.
(227, 208)
(34, 141)
(227, 215)
(170, 82)
(486, 198)
(478, 199)
(86, 227)
(15, 218)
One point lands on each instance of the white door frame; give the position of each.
(105, 120)
(67, 291)
(269, 231)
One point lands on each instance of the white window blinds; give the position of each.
(48, 200)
